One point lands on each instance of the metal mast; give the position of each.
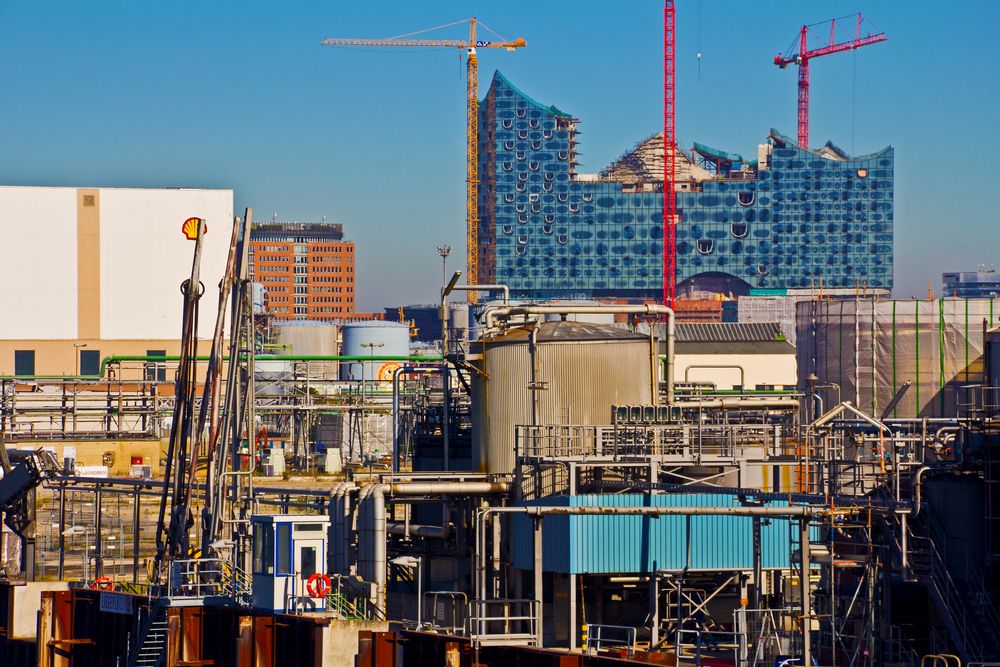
(669, 151)
(472, 119)
(831, 46)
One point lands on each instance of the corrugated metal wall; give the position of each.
(636, 544)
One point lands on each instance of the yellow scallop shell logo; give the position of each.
(190, 228)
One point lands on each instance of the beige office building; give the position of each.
(93, 272)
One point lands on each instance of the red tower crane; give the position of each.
(669, 151)
(805, 54)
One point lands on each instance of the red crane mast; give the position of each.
(669, 151)
(831, 46)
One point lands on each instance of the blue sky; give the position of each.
(241, 95)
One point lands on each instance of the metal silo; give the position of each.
(307, 338)
(580, 370)
(374, 338)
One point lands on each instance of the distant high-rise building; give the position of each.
(982, 283)
(790, 219)
(306, 268)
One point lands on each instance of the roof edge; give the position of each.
(544, 107)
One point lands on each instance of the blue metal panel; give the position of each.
(636, 544)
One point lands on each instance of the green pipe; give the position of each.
(117, 359)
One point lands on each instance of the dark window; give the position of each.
(283, 538)
(24, 362)
(307, 561)
(90, 362)
(156, 371)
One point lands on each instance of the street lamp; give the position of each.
(85, 531)
(444, 251)
(76, 353)
(414, 562)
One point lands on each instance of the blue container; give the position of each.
(615, 544)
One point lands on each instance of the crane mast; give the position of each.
(669, 151)
(831, 46)
(472, 120)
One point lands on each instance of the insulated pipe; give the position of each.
(379, 537)
(447, 488)
(645, 309)
(418, 530)
(395, 405)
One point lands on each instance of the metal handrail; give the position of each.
(482, 623)
(595, 637)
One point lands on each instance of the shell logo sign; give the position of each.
(385, 371)
(190, 228)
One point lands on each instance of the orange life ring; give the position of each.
(103, 584)
(318, 585)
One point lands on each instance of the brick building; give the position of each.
(306, 268)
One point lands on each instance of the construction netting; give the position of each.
(872, 347)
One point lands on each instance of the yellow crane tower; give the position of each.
(472, 117)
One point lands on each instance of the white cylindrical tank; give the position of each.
(373, 338)
(307, 338)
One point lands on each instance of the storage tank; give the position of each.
(584, 370)
(373, 338)
(871, 347)
(307, 338)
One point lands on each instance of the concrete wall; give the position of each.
(340, 640)
(764, 369)
(106, 263)
(26, 600)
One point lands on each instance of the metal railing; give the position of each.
(347, 603)
(209, 577)
(978, 401)
(687, 442)
(499, 622)
(705, 640)
(605, 637)
(448, 611)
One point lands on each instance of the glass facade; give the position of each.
(801, 221)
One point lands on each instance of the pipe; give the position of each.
(418, 530)
(475, 288)
(493, 316)
(395, 405)
(743, 373)
(118, 358)
(733, 403)
(447, 488)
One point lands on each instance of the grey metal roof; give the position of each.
(728, 332)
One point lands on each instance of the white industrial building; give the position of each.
(97, 271)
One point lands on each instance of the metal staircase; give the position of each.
(151, 647)
(971, 621)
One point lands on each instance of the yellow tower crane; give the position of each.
(472, 117)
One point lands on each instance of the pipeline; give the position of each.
(117, 359)
(735, 403)
(493, 316)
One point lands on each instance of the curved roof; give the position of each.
(788, 141)
(567, 332)
(497, 76)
